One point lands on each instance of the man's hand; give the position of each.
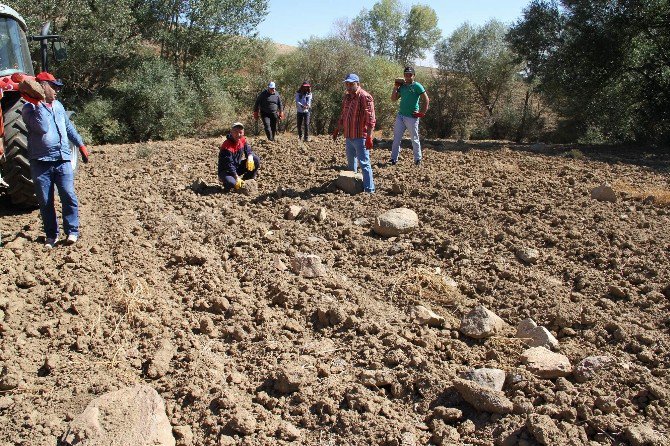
(251, 165)
(418, 114)
(84, 153)
(336, 133)
(398, 82)
(256, 116)
(368, 142)
(281, 115)
(239, 183)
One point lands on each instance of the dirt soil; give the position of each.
(179, 285)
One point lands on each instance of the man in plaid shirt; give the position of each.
(358, 122)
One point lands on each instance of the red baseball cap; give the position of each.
(48, 77)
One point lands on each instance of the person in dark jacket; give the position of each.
(236, 160)
(269, 105)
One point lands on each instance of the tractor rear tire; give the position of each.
(16, 166)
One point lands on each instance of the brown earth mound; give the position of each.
(191, 290)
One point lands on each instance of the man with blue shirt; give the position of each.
(409, 92)
(49, 133)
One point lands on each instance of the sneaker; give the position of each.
(417, 162)
(306, 139)
(393, 162)
(50, 243)
(71, 239)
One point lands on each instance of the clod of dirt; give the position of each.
(482, 397)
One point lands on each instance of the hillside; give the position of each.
(193, 291)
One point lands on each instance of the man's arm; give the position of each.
(72, 133)
(395, 95)
(425, 102)
(36, 117)
(370, 117)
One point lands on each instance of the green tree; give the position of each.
(325, 63)
(603, 64)
(481, 55)
(389, 30)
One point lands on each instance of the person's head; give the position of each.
(409, 74)
(237, 130)
(352, 83)
(50, 84)
(272, 87)
(305, 88)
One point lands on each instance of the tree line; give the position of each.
(593, 71)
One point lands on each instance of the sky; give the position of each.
(290, 21)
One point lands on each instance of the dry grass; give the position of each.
(661, 196)
(130, 298)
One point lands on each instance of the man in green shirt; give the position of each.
(409, 114)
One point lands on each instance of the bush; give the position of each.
(98, 122)
(155, 102)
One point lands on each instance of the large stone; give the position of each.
(481, 323)
(132, 416)
(491, 378)
(395, 222)
(534, 335)
(308, 265)
(482, 397)
(604, 193)
(546, 364)
(591, 365)
(350, 182)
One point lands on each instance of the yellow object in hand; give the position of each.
(250, 164)
(239, 183)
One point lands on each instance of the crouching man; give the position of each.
(236, 160)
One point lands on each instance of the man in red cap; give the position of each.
(49, 134)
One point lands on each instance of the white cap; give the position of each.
(237, 124)
(271, 85)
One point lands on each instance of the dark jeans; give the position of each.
(270, 125)
(303, 119)
(229, 180)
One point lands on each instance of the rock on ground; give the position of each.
(350, 182)
(546, 364)
(132, 416)
(481, 323)
(394, 222)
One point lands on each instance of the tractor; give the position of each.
(15, 58)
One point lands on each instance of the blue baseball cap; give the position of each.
(351, 77)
